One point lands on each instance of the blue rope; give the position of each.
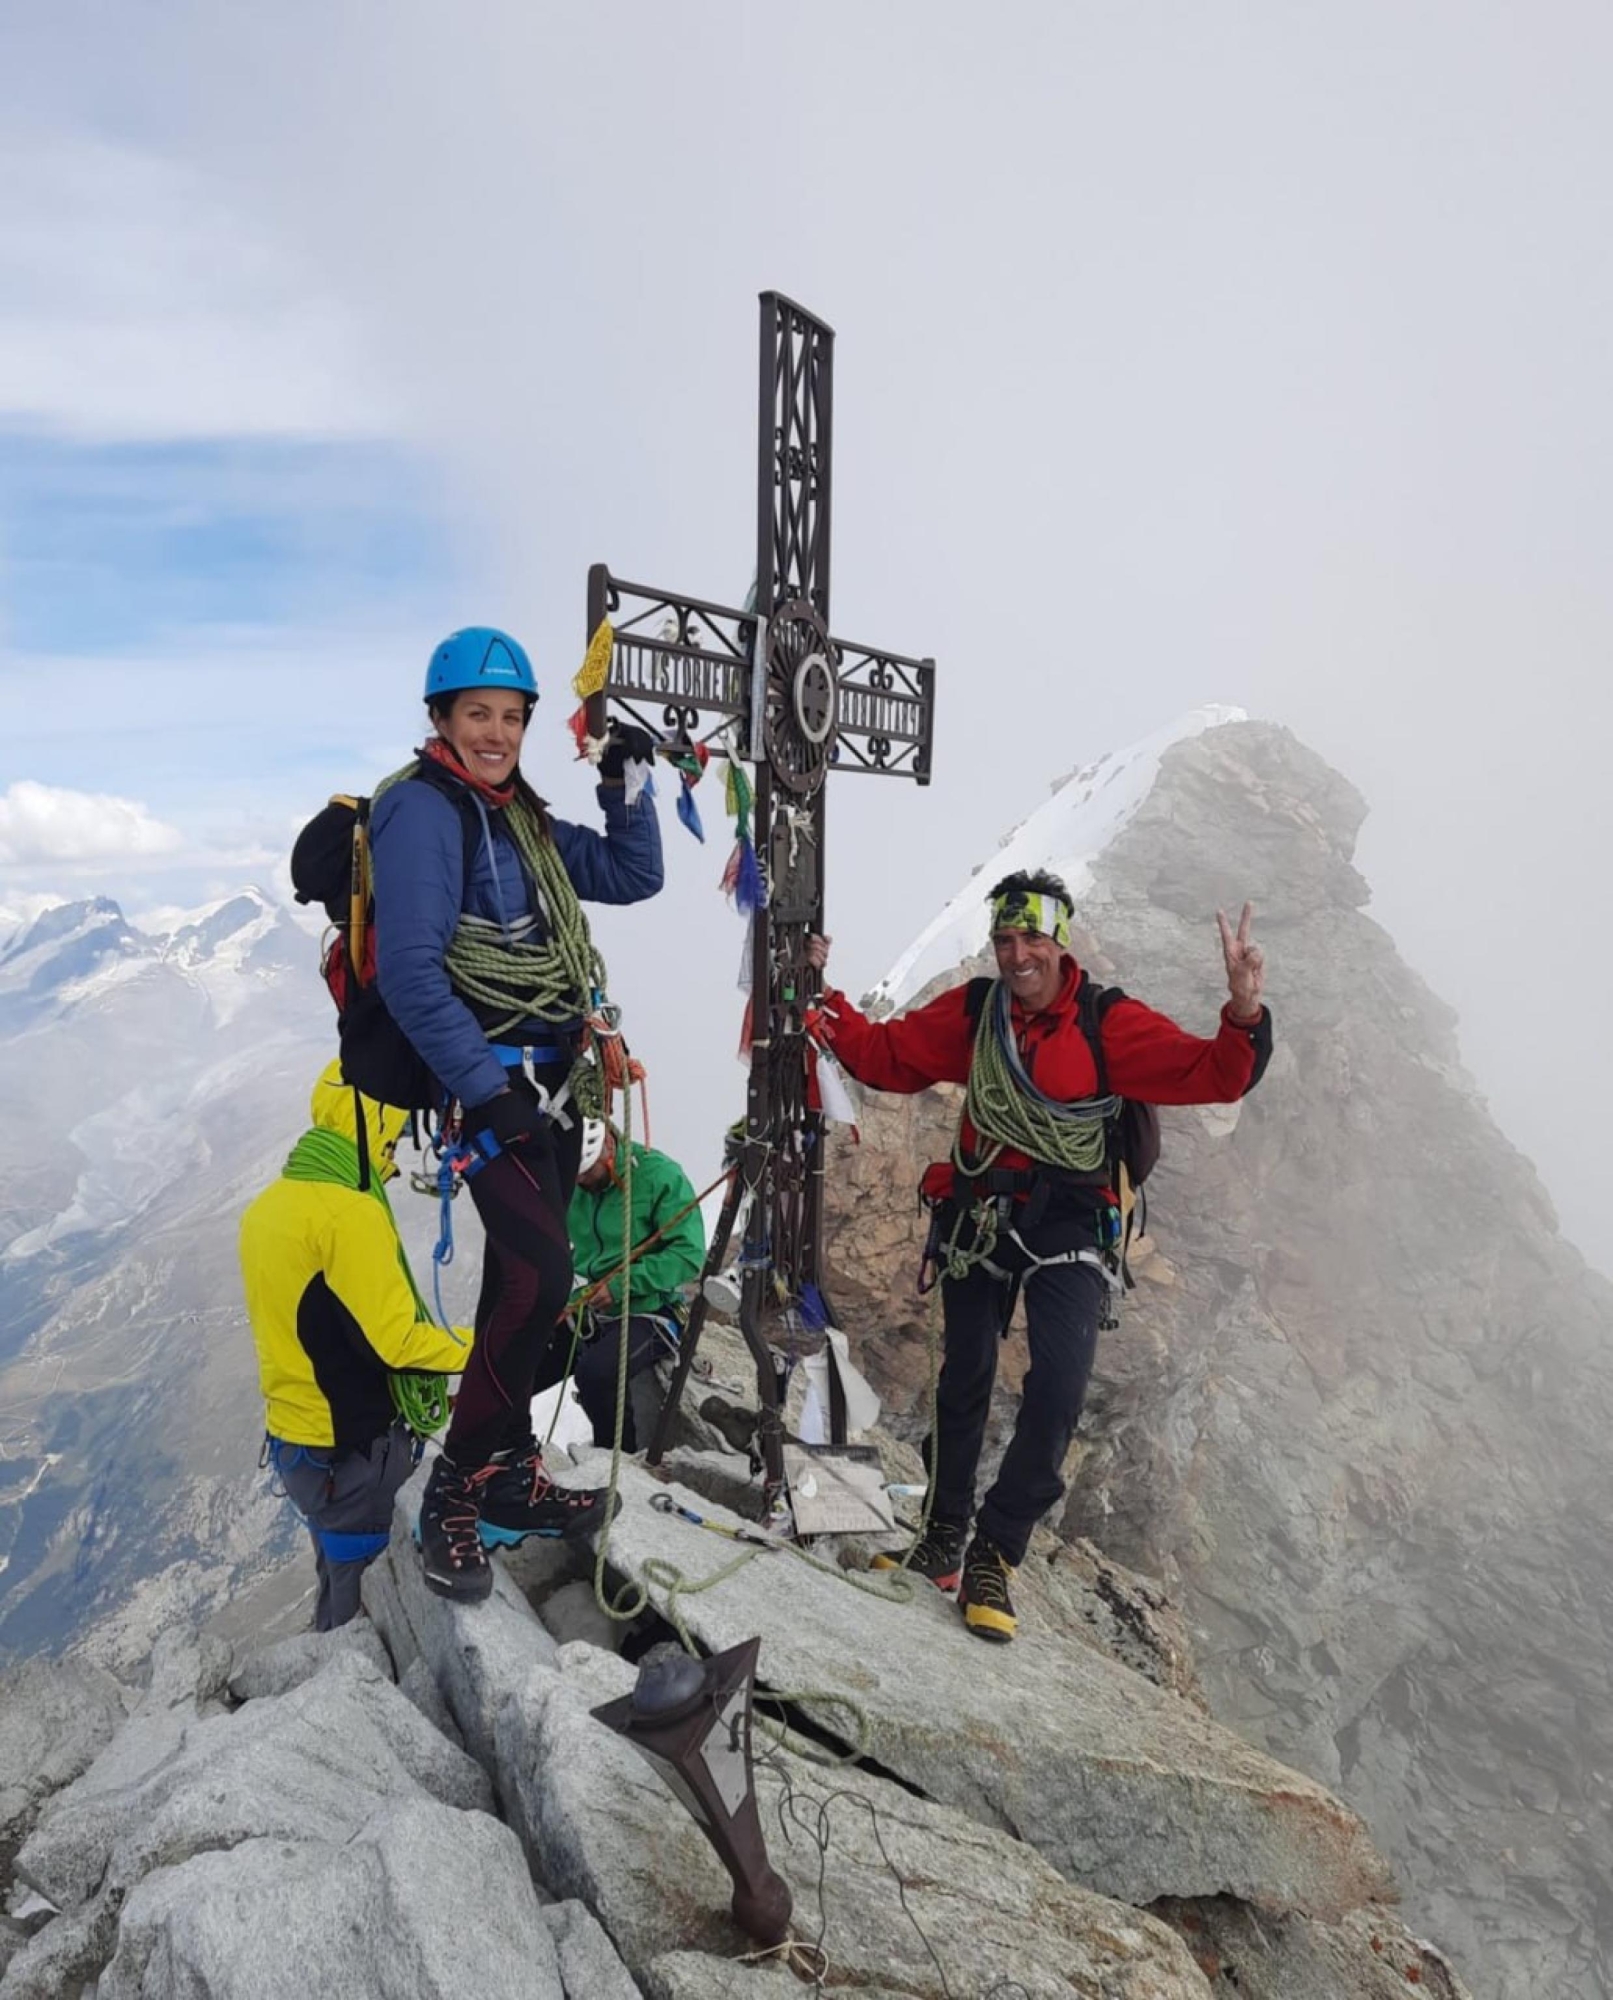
(443, 1250)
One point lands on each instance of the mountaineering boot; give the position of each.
(451, 1552)
(937, 1554)
(988, 1610)
(735, 1426)
(520, 1499)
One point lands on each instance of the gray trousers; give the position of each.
(346, 1499)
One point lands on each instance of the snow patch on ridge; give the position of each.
(1067, 834)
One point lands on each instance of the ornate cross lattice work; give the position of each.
(797, 703)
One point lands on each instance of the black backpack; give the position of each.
(330, 865)
(1134, 1135)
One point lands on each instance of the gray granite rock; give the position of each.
(1122, 1785)
(572, 1613)
(695, 1975)
(289, 1662)
(189, 1670)
(475, 1652)
(1370, 1955)
(419, 1903)
(26, 1911)
(416, 1682)
(55, 1718)
(589, 1966)
(317, 1762)
(898, 1878)
(66, 1955)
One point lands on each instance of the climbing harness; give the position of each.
(1008, 1111)
(527, 1057)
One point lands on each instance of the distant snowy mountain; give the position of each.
(153, 1080)
(72, 954)
(117, 1036)
(1087, 810)
(71, 943)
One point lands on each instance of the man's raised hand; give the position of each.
(1246, 964)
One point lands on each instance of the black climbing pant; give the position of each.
(594, 1370)
(522, 1197)
(1063, 1303)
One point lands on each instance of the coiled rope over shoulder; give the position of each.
(1007, 1110)
(560, 979)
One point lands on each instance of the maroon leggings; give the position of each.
(522, 1197)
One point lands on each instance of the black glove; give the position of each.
(510, 1117)
(624, 742)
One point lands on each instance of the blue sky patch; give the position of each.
(115, 548)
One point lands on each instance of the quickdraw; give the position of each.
(663, 1503)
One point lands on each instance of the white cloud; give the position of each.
(49, 824)
(138, 303)
(21, 907)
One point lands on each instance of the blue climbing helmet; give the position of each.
(480, 656)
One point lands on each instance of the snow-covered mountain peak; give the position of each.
(1066, 834)
(222, 932)
(77, 953)
(70, 943)
(65, 921)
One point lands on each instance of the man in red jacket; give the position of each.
(1027, 1198)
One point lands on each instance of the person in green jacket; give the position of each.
(668, 1238)
(339, 1325)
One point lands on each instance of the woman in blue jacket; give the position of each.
(485, 962)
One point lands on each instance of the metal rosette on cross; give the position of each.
(801, 699)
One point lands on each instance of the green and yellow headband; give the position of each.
(1030, 910)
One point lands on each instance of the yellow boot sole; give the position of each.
(986, 1623)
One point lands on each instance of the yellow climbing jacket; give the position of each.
(333, 1306)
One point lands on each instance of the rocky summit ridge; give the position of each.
(423, 1804)
(1354, 1420)
(1325, 1619)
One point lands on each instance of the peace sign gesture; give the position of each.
(1246, 964)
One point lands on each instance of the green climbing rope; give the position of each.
(1006, 1111)
(635, 1595)
(558, 980)
(421, 1400)
(631, 1599)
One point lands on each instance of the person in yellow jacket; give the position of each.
(336, 1318)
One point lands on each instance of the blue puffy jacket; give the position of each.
(417, 835)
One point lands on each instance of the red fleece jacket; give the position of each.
(1148, 1056)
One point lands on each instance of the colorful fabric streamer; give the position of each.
(589, 679)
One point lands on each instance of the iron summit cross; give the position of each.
(770, 683)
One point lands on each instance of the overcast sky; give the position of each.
(1241, 353)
